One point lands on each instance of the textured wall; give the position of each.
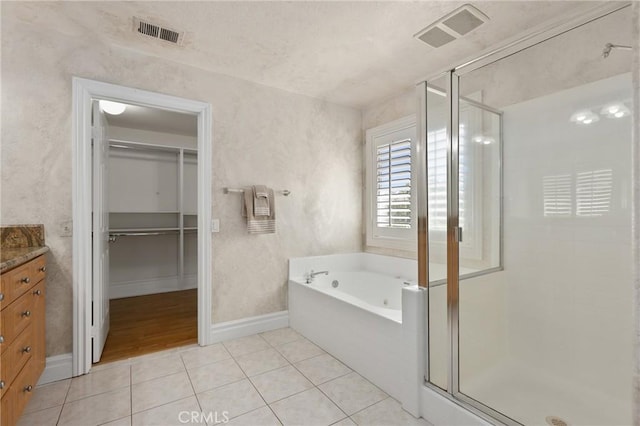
(261, 135)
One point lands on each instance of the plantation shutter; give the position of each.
(393, 192)
(437, 180)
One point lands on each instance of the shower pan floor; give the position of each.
(530, 396)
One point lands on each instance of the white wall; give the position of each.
(568, 276)
(260, 135)
(147, 181)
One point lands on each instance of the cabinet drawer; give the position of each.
(16, 282)
(17, 355)
(39, 268)
(21, 391)
(17, 316)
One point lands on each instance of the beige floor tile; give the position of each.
(211, 376)
(98, 382)
(260, 417)
(280, 336)
(322, 368)
(49, 395)
(299, 350)
(46, 417)
(280, 383)
(163, 390)
(352, 392)
(229, 401)
(175, 413)
(199, 356)
(109, 365)
(307, 408)
(245, 345)
(388, 412)
(261, 361)
(97, 409)
(156, 367)
(345, 422)
(125, 421)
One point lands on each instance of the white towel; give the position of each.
(261, 205)
(259, 224)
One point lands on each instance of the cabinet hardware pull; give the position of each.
(28, 388)
(1, 384)
(25, 280)
(42, 269)
(26, 349)
(37, 292)
(1, 339)
(26, 314)
(1, 297)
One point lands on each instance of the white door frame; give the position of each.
(84, 91)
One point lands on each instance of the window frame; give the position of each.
(390, 238)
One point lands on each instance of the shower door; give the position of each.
(529, 203)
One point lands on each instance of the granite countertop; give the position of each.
(12, 257)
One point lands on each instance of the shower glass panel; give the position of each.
(548, 338)
(437, 144)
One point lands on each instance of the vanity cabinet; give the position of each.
(22, 336)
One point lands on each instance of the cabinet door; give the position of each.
(39, 307)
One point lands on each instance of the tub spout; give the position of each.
(311, 275)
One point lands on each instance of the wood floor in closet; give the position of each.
(151, 323)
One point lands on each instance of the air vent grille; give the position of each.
(456, 24)
(156, 31)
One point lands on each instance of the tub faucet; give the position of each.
(311, 275)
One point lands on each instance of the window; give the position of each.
(390, 189)
(393, 185)
(391, 198)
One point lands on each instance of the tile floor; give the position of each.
(271, 378)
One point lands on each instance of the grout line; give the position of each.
(334, 402)
(369, 406)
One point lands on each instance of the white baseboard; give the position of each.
(157, 285)
(248, 326)
(59, 367)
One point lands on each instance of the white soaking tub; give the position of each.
(369, 321)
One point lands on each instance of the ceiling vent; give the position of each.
(148, 29)
(456, 24)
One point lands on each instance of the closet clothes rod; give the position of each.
(284, 192)
(143, 233)
(124, 144)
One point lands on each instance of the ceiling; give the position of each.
(155, 119)
(355, 53)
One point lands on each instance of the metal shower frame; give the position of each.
(453, 75)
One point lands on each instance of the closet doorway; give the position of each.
(152, 203)
(142, 259)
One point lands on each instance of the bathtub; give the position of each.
(373, 292)
(369, 320)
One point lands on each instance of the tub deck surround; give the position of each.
(370, 321)
(19, 244)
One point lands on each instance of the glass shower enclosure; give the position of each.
(528, 217)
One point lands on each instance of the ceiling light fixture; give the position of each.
(615, 110)
(484, 140)
(113, 108)
(585, 116)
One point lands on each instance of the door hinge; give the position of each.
(459, 234)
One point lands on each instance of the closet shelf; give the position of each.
(157, 212)
(120, 230)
